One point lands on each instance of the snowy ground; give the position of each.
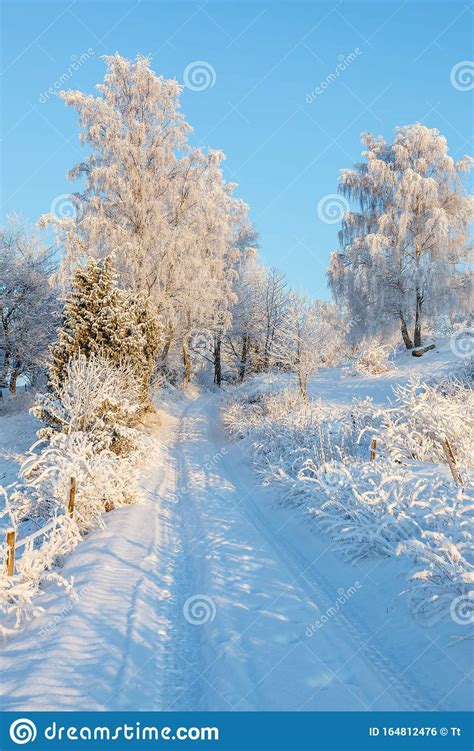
(263, 580)
(17, 434)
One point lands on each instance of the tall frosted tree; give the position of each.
(405, 244)
(28, 306)
(161, 206)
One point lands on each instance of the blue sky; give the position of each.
(275, 101)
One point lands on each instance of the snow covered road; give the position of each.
(254, 653)
(202, 598)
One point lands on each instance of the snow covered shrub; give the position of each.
(317, 456)
(284, 429)
(423, 415)
(103, 480)
(443, 578)
(94, 442)
(37, 564)
(372, 360)
(96, 396)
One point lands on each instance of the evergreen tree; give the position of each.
(99, 317)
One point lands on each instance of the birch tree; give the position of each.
(28, 305)
(162, 207)
(308, 338)
(405, 245)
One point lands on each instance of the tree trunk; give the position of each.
(5, 368)
(168, 340)
(217, 361)
(303, 387)
(243, 357)
(13, 380)
(268, 347)
(423, 350)
(419, 305)
(404, 329)
(186, 361)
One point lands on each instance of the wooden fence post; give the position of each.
(373, 446)
(451, 461)
(72, 496)
(11, 552)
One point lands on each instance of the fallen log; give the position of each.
(420, 352)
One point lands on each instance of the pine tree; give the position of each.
(99, 317)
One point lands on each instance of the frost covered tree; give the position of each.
(243, 338)
(160, 205)
(27, 303)
(259, 315)
(308, 338)
(405, 246)
(274, 311)
(100, 318)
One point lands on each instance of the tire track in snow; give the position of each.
(410, 694)
(203, 569)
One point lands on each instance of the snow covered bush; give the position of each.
(94, 442)
(423, 415)
(285, 429)
(372, 360)
(442, 582)
(95, 396)
(36, 566)
(317, 455)
(94, 411)
(103, 480)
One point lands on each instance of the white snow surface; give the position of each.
(264, 578)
